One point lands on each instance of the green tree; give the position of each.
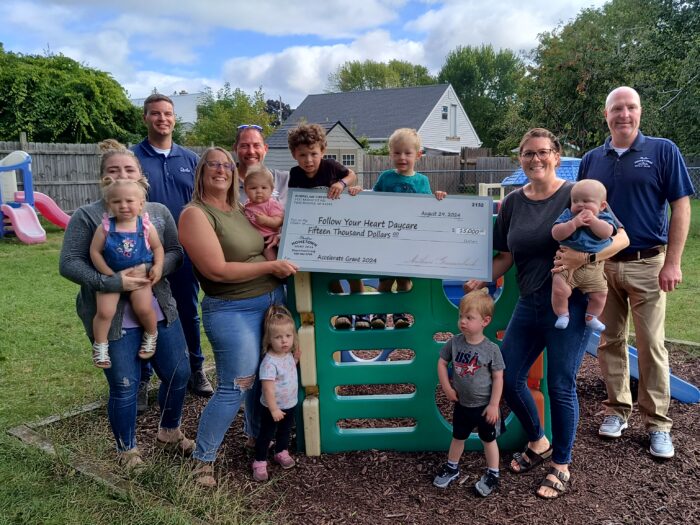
(55, 99)
(358, 76)
(486, 82)
(220, 114)
(651, 45)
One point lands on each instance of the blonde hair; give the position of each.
(405, 136)
(109, 185)
(480, 301)
(110, 148)
(258, 172)
(278, 315)
(590, 187)
(198, 191)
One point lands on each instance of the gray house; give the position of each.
(342, 146)
(434, 111)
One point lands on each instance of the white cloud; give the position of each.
(514, 25)
(300, 70)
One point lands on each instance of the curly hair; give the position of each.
(306, 135)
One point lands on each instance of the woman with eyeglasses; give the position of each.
(522, 237)
(239, 285)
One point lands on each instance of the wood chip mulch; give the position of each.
(613, 482)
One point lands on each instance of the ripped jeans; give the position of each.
(172, 366)
(234, 329)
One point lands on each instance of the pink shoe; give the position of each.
(260, 470)
(284, 459)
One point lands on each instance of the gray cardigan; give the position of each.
(75, 264)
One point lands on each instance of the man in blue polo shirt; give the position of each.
(643, 176)
(170, 170)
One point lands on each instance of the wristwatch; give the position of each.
(591, 257)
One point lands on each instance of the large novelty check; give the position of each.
(405, 234)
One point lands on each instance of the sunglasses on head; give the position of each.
(251, 126)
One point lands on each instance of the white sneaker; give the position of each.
(661, 444)
(612, 427)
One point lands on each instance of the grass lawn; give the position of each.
(45, 368)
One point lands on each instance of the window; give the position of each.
(349, 159)
(332, 157)
(444, 112)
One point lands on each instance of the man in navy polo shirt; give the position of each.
(170, 170)
(643, 176)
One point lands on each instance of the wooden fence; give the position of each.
(69, 173)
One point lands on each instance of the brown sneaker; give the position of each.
(199, 384)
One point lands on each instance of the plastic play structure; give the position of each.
(327, 414)
(17, 208)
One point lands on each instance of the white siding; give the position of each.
(435, 131)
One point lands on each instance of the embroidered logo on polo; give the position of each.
(643, 162)
(184, 169)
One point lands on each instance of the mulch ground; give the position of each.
(613, 482)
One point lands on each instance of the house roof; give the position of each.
(279, 138)
(374, 114)
(568, 170)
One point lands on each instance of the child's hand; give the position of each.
(472, 285)
(584, 218)
(451, 394)
(439, 195)
(277, 414)
(354, 190)
(263, 219)
(491, 414)
(155, 274)
(335, 190)
(297, 355)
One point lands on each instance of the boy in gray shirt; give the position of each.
(475, 388)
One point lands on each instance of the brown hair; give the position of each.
(479, 300)
(535, 133)
(278, 315)
(110, 148)
(306, 135)
(198, 191)
(156, 97)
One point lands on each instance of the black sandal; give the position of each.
(559, 486)
(529, 459)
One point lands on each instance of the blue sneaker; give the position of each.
(612, 427)
(446, 476)
(661, 444)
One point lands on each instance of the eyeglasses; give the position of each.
(216, 165)
(250, 126)
(542, 154)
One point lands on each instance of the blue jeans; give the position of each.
(234, 329)
(185, 290)
(170, 363)
(530, 330)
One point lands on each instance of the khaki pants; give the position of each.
(634, 286)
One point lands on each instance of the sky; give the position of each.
(288, 48)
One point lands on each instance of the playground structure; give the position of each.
(18, 208)
(324, 372)
(328, 363)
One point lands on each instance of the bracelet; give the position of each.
(345, 184)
